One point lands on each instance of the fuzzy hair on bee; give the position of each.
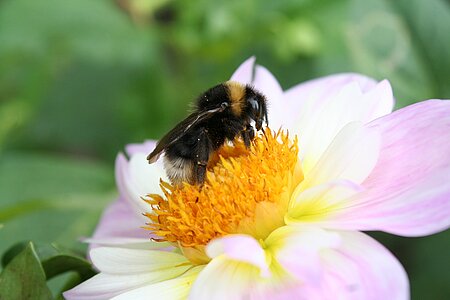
(222, 113)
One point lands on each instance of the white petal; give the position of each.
(224, 279)
(136, 178)
(378, 101)
(352, 155)
(129, 261)
(325, 124)
(321, 119)
(316, 203)
(174, 289)
(106, 286)
(130, 243)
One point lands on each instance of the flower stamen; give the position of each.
(246, 191)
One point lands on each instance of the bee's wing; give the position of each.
(179, 131)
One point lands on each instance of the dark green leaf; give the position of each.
(24, 278)
(12, 252)
(55, 262)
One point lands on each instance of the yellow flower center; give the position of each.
(246, 191)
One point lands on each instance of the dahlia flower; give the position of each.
(283, 220)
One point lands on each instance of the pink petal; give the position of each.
(264, 81)
(123, 219)
(297, 249)
(241, 248)
(267, 84)
(361, 268)
(145, 147)
(408, 192)
(119, 220)
(351, 265)
(120, 171)
(324, 265)
(244, 73)
(315, 92)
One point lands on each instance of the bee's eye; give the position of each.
(224, 105)
(254, 103)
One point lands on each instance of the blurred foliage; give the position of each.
(80, 79)
(51, 199)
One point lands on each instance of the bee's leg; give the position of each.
(248, 134)
(202, 156)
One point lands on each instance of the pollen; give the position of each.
(246, 191)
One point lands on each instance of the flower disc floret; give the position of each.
(246, 191)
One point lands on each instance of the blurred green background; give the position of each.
(80, 79)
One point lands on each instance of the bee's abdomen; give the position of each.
(181, 158)
(179, 169)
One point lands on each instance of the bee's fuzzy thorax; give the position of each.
(236, 93)
(223, 113)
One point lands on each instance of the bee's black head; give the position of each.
(256, 106)
(246, 102)
(239, 100)
(258, 109)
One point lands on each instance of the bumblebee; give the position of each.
(222, 113)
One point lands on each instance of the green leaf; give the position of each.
(24, 278)
(12, 252)
(57, 260)
(66, 267)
